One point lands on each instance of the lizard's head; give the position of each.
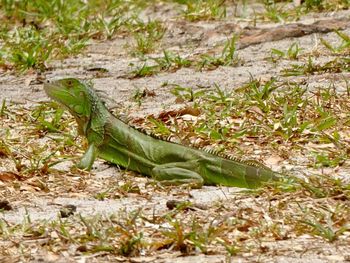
(73, 94)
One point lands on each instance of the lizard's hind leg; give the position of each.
(178, 173)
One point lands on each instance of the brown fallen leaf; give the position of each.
(38, 184)
(166, 115)
(273, 160)
(9, 176)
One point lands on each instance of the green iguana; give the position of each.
(113, 140)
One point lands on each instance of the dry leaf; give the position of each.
(164, 116)
(9, 176)
(273, 160)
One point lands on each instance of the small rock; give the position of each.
(5, 205)
(68, 210)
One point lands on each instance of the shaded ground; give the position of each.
(42, 197)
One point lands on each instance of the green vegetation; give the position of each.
(30, 158)
(35, 32)
(146, 36)
(172, 62)
(228, 57)
(185, 229)
(271, 111)
(292, 53)
(344, 46)
(275, 12)
(310, 68)
(203, 9)
(282, 11)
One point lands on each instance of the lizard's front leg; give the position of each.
(88, 158)
(178, 173)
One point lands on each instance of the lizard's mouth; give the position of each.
(50, 88)
(55, 91)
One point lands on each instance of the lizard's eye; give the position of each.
(69, 83)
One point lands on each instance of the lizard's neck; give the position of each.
(94, 126)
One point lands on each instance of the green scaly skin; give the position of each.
(112, 140)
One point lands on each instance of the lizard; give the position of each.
(171, 163)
